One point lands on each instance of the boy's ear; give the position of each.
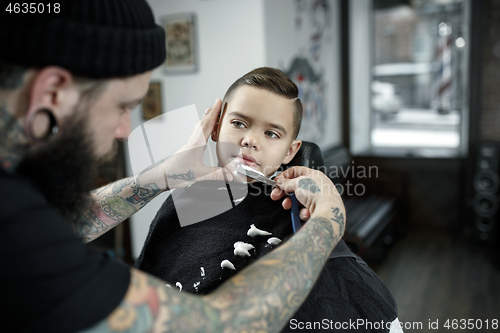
(292, 151)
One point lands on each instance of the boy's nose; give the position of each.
(250, 141)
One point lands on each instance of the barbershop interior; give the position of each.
(401, 110)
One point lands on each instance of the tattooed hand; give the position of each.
(313, 189)
(186, 165)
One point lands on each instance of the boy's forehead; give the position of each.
(262, 104)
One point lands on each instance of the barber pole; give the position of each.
(444, 72)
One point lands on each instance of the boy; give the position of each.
(261, 117)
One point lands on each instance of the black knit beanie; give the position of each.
(93, 38)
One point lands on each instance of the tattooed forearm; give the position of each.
(142, 195)
(112, 204)
(89, 226)
(119, 185)
(188, 176)
(261, 298)
(309, 185)
(116, 207)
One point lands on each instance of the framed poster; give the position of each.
(180, 31)
(151, 105)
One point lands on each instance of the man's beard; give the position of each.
(63, 169)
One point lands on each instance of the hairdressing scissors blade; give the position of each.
(249, 172)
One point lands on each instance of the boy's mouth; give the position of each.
(247, 160)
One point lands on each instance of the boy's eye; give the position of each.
(237, 123)
(272, 134)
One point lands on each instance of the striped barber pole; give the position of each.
(444, 73)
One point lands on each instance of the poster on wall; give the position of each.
(312, 69)
(180, 31)
(151, 105)
(311, 94)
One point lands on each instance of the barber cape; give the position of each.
(190, 257)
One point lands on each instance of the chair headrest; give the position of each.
(309, 155)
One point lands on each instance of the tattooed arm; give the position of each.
(113, 203)
(261, 298)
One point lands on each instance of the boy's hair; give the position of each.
(273, 80)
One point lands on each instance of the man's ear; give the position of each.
(52, 89)
(52, 97)
(292, 151)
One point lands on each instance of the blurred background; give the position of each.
(401, 97)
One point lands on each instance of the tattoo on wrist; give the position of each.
(325, 230)
(188, 176)
(309, 185)
(119, 208)
(119, 185)
(115, 207)
(142, 195)
(89, 225)
(339, 218)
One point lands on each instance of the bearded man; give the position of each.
(68, 81)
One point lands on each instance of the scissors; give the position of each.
(254, 174)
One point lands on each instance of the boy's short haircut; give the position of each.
(275, 81)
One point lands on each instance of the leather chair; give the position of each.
(368, 215)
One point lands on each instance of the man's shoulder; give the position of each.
(18, 195)
(47, 273)
(27, 219)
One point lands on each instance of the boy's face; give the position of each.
(258, 124)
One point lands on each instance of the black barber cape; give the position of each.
(190, 257)
(49, 280)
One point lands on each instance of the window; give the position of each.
(417, 52)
